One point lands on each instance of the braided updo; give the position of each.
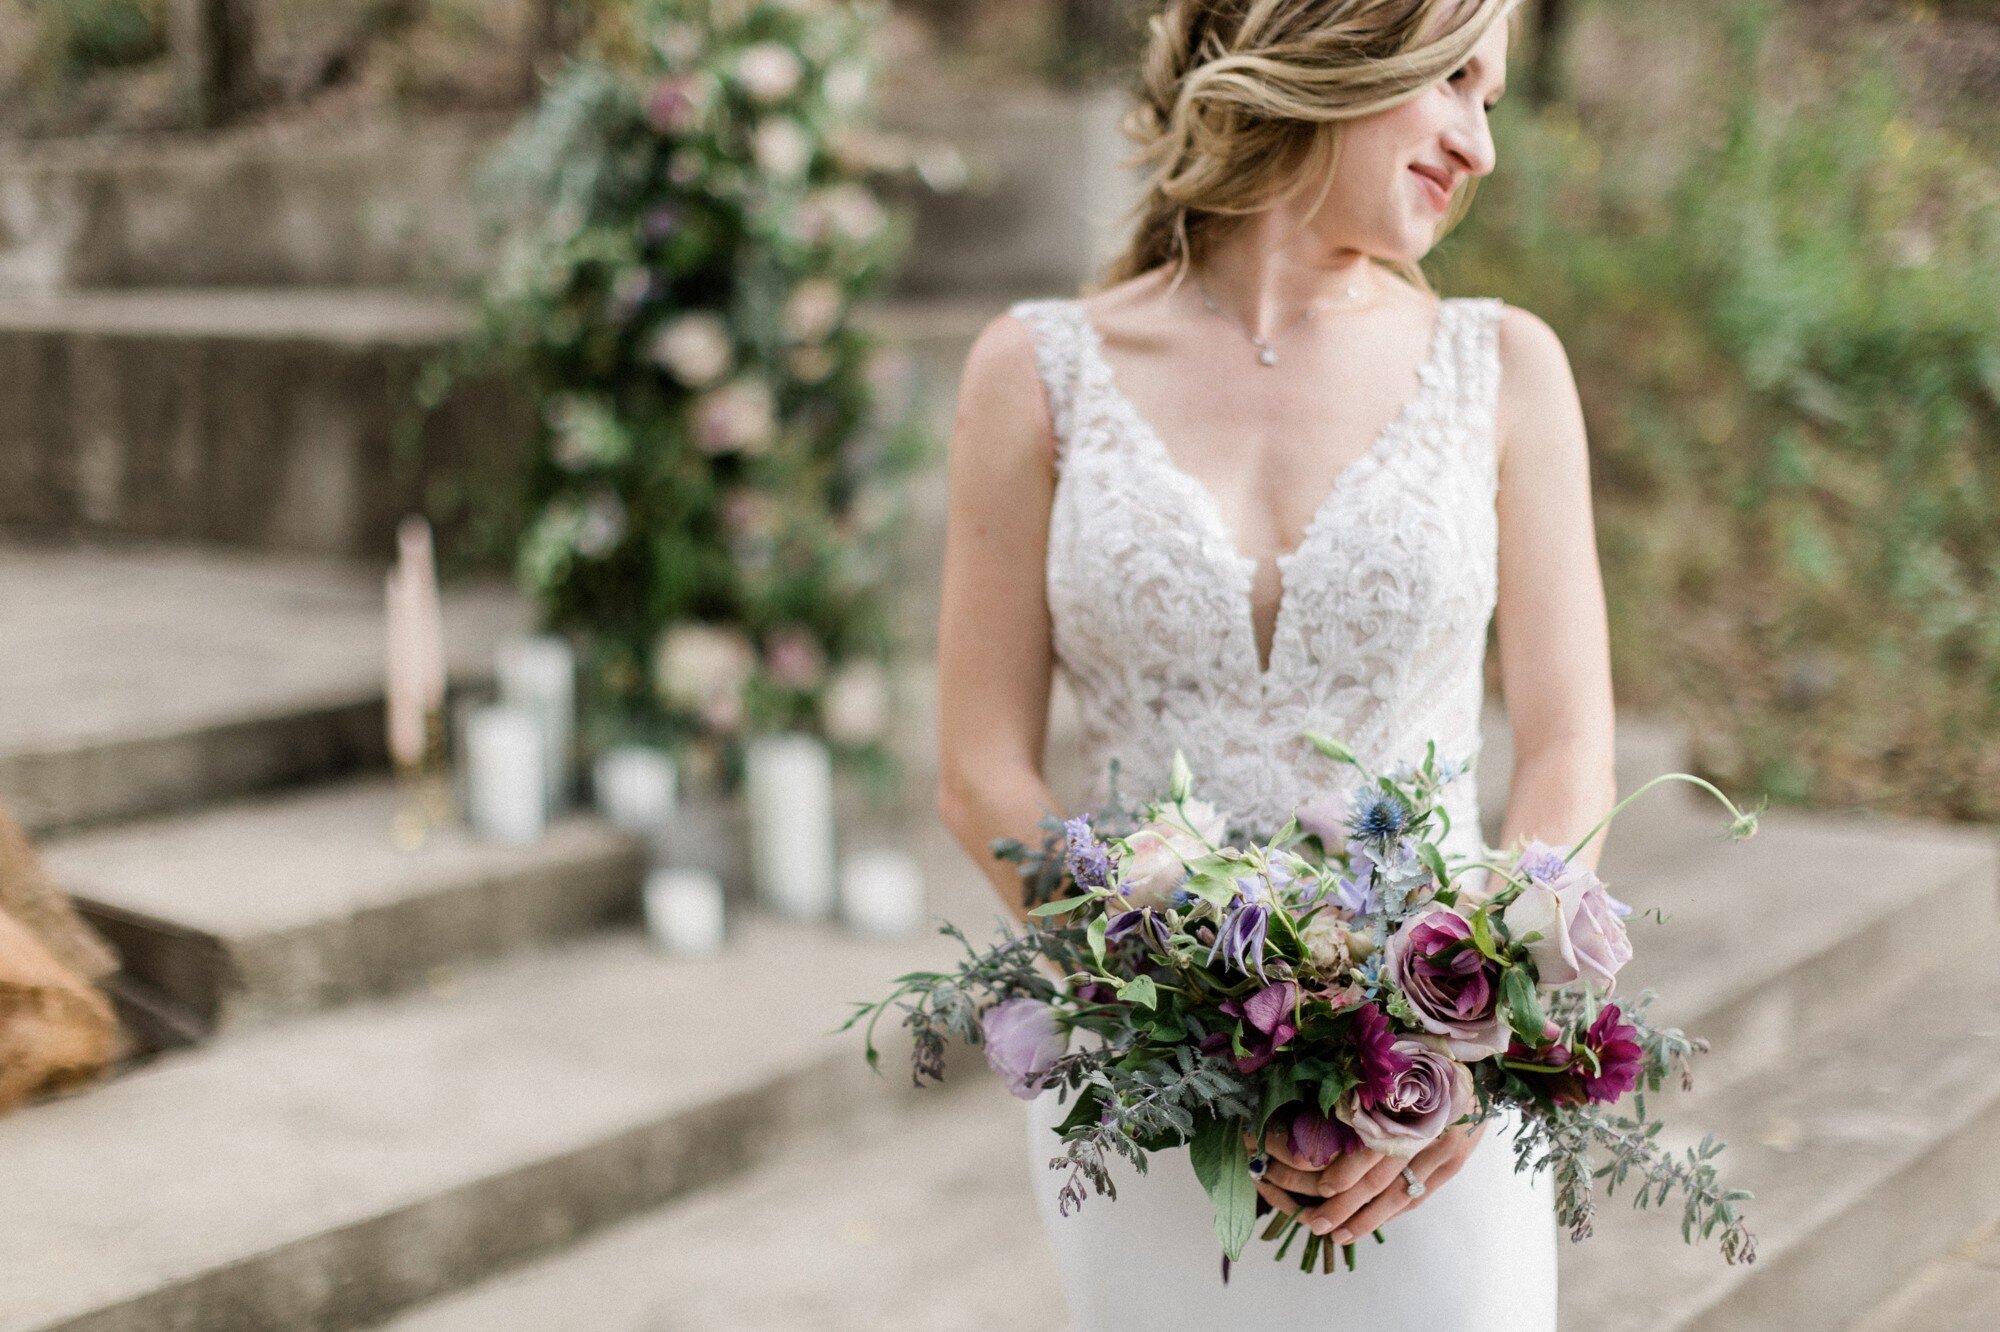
(1240, 102)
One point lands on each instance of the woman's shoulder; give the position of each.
(1538, 397)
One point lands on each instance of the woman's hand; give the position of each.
(1362, 1189)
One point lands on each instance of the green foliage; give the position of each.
(713, 502)
(73, 37)
(1786, 328)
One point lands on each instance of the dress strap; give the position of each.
(1475, 371)
(1058, 333)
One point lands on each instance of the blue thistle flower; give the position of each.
(1379, 814)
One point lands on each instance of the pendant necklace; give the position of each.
(1267, 353)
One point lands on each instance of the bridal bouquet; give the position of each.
(1343, 983)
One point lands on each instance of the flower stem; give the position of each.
(1742, 823)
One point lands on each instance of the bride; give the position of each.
(1264, 481)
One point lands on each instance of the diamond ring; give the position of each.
(1257, 1165)
(1411, 1183)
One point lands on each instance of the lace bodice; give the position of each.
(1380, 635)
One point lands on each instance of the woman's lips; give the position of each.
(1439, 197)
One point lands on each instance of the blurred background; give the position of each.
(459, 950)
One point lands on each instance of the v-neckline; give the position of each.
(1202, 500)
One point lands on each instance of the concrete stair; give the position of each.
(146, 679)
(280, 419)
(393, 206)
(337, 1168)
(264, 909)
(1956, 1293)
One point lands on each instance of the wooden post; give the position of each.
(213, 44)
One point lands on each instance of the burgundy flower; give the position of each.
(1268, 1014)
(1566, 1072)
(1314, 1139)
(1615, 1042)
(1454, 988)
(1375, 1046)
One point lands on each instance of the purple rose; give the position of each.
(1425, 1099)
(1453, 987)
(1023, 1040)
(1581, 936)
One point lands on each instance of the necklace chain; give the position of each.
(1267, 353)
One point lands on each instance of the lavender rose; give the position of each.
(1424, 1100)
(1453, 988)
(1023, 1040)
(1582, 937)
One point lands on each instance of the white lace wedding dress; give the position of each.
(1380, 638)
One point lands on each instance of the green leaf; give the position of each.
(1222, 1164)
(1057, 908)
(1524, 1014)
(1334, 1086)
(1433, 860)
(1218, 890)
(1085, 1110)
(1140, 992)
(1094, 935)
(1482, 934)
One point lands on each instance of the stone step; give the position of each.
(327, 1172)
(1870, 1151)
(1957, 1293)
(393, 206)
(284, 420)
(141, 680)
(1762, 937)
(937, 1207)
(253, 911)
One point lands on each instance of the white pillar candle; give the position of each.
(505, 774)
(684, 910)
(539, 674)
(882, 893)
(788, 788)
(635, 789)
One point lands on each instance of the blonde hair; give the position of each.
(1240, 105)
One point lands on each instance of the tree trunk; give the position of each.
(1548, 76)
(213, 45)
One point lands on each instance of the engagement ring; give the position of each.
(1416, 1190)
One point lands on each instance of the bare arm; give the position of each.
(994, 654)
(1554, 647)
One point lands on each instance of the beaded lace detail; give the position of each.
(1380, 636)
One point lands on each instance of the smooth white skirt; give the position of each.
(1479, 1255)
